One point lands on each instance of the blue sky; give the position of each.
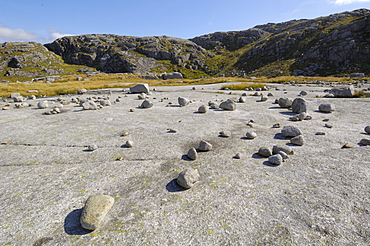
(45, 20)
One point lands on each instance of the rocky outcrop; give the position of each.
(118, 54)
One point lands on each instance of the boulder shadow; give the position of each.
(287, 113)
(257, 156)
(280, 136)
(186, 158)
(172, 186)
(366, 134)
(72, 225)
(248, 139)
(320, 112)
(267, 163)
(274, 108)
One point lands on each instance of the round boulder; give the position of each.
(183, 101)
(326, 108)
(299, 105)
(285, 102)
(367, 129)
(187, 178)
(202, 109)
(290, 131)
(228, 105)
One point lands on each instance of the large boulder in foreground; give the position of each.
(95, 210)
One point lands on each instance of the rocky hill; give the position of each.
(338, 44)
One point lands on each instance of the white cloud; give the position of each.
(56, 35)
(10, 35)
(345, 2)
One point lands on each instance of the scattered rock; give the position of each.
(142, 96)
(5, 108)
(265, 152)
(171, 130)
(320, 133)
(228, 105)
(326, 108)
(183, 101)
(132, 110)
(276, 148)
(202, 109)
(140, 88)
(225, 134)
(298, 140)
(89, 105)
(146, 104)
(124, 134)
(277, 125)
(285, 102)
(81, 91)
(192, 154)
(105, 103)
(276, 159)
(264, 98)
(242, 100)
(343, 92)
(365, 142)
(43, 104)
(188, 177)
(328, 126)
(367, 129)
(129, 144)
(347, 146)
(290, 131)
(270, 94)
(205, 146)
(251, 135)
(92, 147)
(95, 209)
(237, 156)
(325, 120)
(303, 93)
(299, 105)
(284, 155)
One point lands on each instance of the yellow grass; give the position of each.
(68, 84)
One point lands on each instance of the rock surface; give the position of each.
(326, 108)
(290, 131)
(228, 105)
(188, 177)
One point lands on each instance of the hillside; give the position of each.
(338, 44)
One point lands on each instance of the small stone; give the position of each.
(284, 155)
(320, 133)
(276, 148)
(188, 177)
(205, 146)
(277, 125)
(146, 104)
(298, 140)
(202, 109)
(276, 159)
(264, 98)
(95, 209)
(183, 101)
(264, 151)
(328, 126)
(92, 147)
(120, 158)
(303, 93)
(132, 110)
(251, 135)
(242, 100)
(237, 156)
(225, 134)
(129, 144)
(347, 146)
(142, 96)
(192, 154)
(270, 94)
(5, 108)
(124, 134)
(365, 142)
(250, 124)
(171, 130)
(290, 131)
(89, 105)
(325, 120)
(326, 108)
(367, 129)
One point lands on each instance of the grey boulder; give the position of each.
(95, 209)
(202, 109)
(326, 108)
(276, 159)
(298, 140)
(285, 102)
(140, 88)
(205, 146)
(228, 105)
(188, 177)
(367, 129)
(290, 131)
(183, 101)
(192, 154)
(265, 152)
(299, 105)
(146, 104)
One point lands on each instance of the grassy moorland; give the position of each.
(68, 84)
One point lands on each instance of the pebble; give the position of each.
(192, 154)
(320, 133)
(277, 125)
(298, 140)
(285, 102)
(188, 177)
(171, 130)
(205, 146)
(328, 125)
(290, 131)
(225, 134)
(347, 146)
(95, 209)
(251, 135)
(124, 134)
(129, 144)
(326, 108)
(284, 155)
(242, 100)
(365, 142)
(325, 120)
(202, 109)
(237, 156)
(276, 148)
(92, 147)
(276, 159)
(367, 129)
(146, 104)
(42, 104)
(183, 101)
(264, 151)
(132, 110)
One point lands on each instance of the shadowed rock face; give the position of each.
(113, 53)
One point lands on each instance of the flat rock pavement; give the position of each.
(320, 195)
